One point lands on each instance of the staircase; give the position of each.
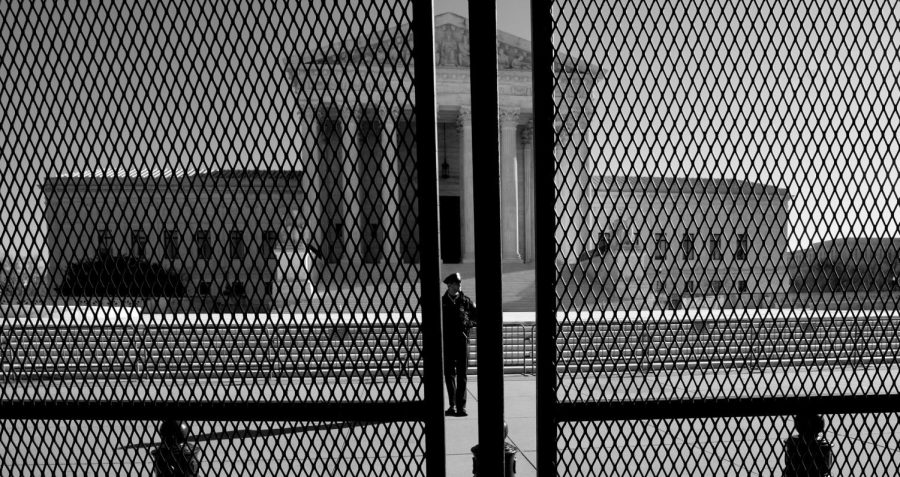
(377, 350)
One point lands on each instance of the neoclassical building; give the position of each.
(347, 196)
(648, 238)
(347, 101)
(346, 201)
(218, 230)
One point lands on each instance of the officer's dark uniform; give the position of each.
(175, 457)
(459, 318)
(805, 454)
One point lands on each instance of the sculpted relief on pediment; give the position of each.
(451, 46)
(451, 50)
(373, 53)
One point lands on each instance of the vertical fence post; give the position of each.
(545, 246)
(488, 267)
(426, 143)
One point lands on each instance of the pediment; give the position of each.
(451, 40)
(380, 49)
(451, 49)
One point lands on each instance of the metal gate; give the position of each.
(717, 250)
(190, 197)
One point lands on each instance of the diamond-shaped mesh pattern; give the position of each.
(51, 447)
(201, 194)
(861, 444)
(214, 204)
(726, 181)
(726, 186)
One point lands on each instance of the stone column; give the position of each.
(310, 157)
(528, 163)
(295, 263)
(509, 220)
(390, 189)
(579, 193)
(467, 221)
(351, 185)
(585, 171)
(588, 170)
(568, 204)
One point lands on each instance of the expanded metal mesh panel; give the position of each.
(728, 354)
(860, 444)
(287, 363)
(51, 447)
(213, 204)
(725, 193)
(209, 203)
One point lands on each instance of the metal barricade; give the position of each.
(194, 197)
(716, 214)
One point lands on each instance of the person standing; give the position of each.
(175, 456)
(805, 453)
(459, 318)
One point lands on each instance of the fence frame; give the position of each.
(551, 412)
(428, 411)
(488, 266)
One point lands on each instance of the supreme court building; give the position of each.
(347, 197)
(353, 125)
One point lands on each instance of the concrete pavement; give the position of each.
(864, 444)
(520, 412)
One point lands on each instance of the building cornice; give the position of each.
(686, 193)
(174, 187)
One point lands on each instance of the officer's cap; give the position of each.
(173, 431)
(453, 278)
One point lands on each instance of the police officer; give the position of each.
(805, 453)
(459, 318)
(175, 457)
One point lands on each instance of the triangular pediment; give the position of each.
(451, 40)
(451, 45)
(384, 47)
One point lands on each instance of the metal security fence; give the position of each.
(224, 216)
(861, 444)
(102, 447)
(716, 243)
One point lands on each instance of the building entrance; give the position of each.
(451, 251)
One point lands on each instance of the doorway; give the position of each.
(451, 250)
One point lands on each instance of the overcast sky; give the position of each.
(802, 99)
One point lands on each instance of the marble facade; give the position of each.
(346, 196)
(332, 98)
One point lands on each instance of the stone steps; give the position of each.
(250, 350)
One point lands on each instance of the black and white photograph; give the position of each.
(450, 238)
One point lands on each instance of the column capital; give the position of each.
(351, 114)
(528, 132)
(389, 112)
(464, 119)
(571, 123)
(369, 124)
(509, 117)
(565, 128)
(322, 113)
(327, 124)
